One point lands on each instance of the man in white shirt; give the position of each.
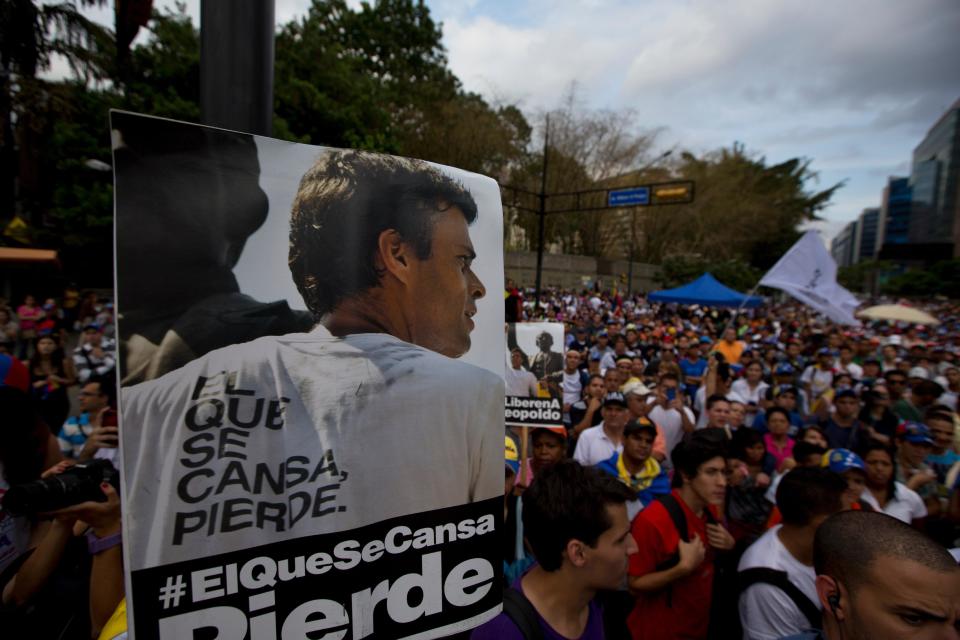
(818, 377)
(599, 443)
(845, 363)
(520, 382)
(572, 383)
(781, 594)
(669, 412)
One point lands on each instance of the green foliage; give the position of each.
(164, 74)
(736, 274)
(863, 275)
(941, 279)
(743, 209)
(360, 78)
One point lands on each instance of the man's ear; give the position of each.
(576, 552)
(393, 255)
(830, 596)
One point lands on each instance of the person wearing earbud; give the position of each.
(880, 579)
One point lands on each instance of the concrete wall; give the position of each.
(568, 272)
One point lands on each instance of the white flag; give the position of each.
(809, 274)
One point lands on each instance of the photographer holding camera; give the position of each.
(79, 551)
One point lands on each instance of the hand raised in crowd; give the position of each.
(102, 437)
(677, 403)
(921, 478)
(762, 480)
(692, 554)
(719, 538)
(594, 404)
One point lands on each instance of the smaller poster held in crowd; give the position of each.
(534, 376)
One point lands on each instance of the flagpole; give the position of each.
(739, 309)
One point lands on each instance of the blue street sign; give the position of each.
(628, 197)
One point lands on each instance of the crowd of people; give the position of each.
(763, 474)
(769, 463)
(60, 561)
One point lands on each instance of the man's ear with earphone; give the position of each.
(828, 590)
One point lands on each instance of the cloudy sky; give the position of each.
(853, 85)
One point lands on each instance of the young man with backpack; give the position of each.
(575, 521)
(672, 573)
(776, 577)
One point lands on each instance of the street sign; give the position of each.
(638, 196)
(673, 193)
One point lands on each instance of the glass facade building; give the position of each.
(935, 198)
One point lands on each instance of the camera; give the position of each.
(79, 483)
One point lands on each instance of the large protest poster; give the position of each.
(312, 400)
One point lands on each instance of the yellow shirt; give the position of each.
(116, 627)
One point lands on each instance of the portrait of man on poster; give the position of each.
(380, 251)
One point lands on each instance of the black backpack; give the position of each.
(780, 580)
(521, 613)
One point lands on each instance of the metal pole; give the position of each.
(633, 222)
(541, 215)
(236, 64)
(633, 235)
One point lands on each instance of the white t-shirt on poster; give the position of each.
(326, 404)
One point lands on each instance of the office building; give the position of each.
(935, 184)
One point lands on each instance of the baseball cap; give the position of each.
(845, 393)
(13, 373)
(614, 398)
(511, 457)
(705, 340)
(824, 351)
(560, 431)
(840, 460)
(786, 388)
(636, 388)
(641, 424)
(915, 433)
(919, 372)
(602, 334)
(784, 368)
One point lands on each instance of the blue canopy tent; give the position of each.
(707, 291)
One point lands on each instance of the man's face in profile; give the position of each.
(445, 289)
(905, 599)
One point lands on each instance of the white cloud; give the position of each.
(853, 85)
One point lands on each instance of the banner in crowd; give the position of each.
(540, 345)
(809, 274)
(312, 394)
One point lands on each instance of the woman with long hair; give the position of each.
(50, 375)
(884, 493)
